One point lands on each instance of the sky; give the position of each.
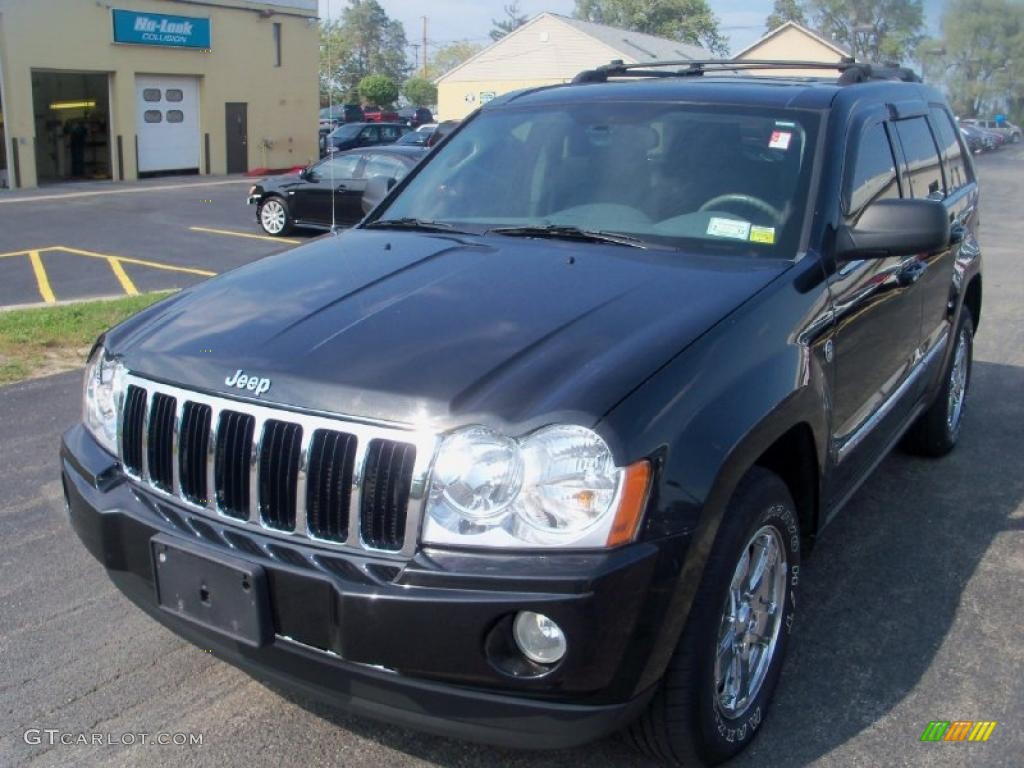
(741, 21)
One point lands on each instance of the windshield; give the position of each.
(347, 131)
(715, 179)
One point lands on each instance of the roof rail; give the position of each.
(850, 71)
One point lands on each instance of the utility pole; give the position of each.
(424, 47)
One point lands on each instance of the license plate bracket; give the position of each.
(225, 594)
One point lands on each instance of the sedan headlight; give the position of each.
(104, 384)
(557, 487)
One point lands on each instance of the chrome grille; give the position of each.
(341, 483)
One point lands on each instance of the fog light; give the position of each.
(539, 638)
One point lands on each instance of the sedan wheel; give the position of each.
(274, 217)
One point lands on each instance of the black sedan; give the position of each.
(329, 192)
(355, 135)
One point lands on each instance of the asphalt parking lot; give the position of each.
(910, 605)
(101, 239)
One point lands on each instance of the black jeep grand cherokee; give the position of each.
(533, 454)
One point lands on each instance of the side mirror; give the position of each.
(895, 228)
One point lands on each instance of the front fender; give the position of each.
(710, 414)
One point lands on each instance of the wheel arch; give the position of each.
(972, 300)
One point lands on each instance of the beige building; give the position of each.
(122, 88)
(793, 42)
(547, 50)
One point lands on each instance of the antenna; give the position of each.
(330, 115)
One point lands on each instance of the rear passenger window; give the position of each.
(922, 156)
(874, 171)
(953, 166)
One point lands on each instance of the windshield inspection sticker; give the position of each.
(737, 230)
(764, 235)
(780, 140)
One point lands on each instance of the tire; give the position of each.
(274, 217)
(937, 430)
(689, 721)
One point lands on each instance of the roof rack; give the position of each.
(850, 71)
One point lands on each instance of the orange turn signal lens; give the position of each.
(631, 506)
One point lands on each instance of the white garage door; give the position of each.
(167, 120)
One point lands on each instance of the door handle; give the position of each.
(911, 272)
(342, 188)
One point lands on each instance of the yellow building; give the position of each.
(793, 42)
(117, 89)
(547, 50)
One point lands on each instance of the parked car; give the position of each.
(353, 135)
(341, 113)
(977, 139)
(537, 450)
(379, 115)
(330, 192)
(414, 117)
(441, 131)
(414, 139)
(1010, 132)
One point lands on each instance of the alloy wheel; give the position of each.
(273, 217)
(751, 619)
(958, 382)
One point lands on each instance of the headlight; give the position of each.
(104, 384)
(557, 487)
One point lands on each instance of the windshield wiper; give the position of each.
(423, 225)
(567, 232)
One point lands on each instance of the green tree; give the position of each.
(420, 92)
(783, 11)
(447, 58)
(364, 40)
(871, 30)
(513, 20)
(378, 90)
(980, 56)
(689, 21)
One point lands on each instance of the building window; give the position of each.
(151, 94)
(174, 94)
(277, 44)
(175, 116)
(153, 116)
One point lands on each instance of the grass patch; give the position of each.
(37, 342)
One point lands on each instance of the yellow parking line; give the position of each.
(249, 235)
(140, 262)
(16, 253)
(122, 277)
(41, 279)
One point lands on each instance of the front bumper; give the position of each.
(425, 644)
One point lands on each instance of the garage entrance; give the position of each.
(72, 118)
(167, 124)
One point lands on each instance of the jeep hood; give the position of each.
(441, 330)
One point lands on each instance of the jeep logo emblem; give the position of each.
(254, 384)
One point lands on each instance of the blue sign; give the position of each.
(139, 28)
